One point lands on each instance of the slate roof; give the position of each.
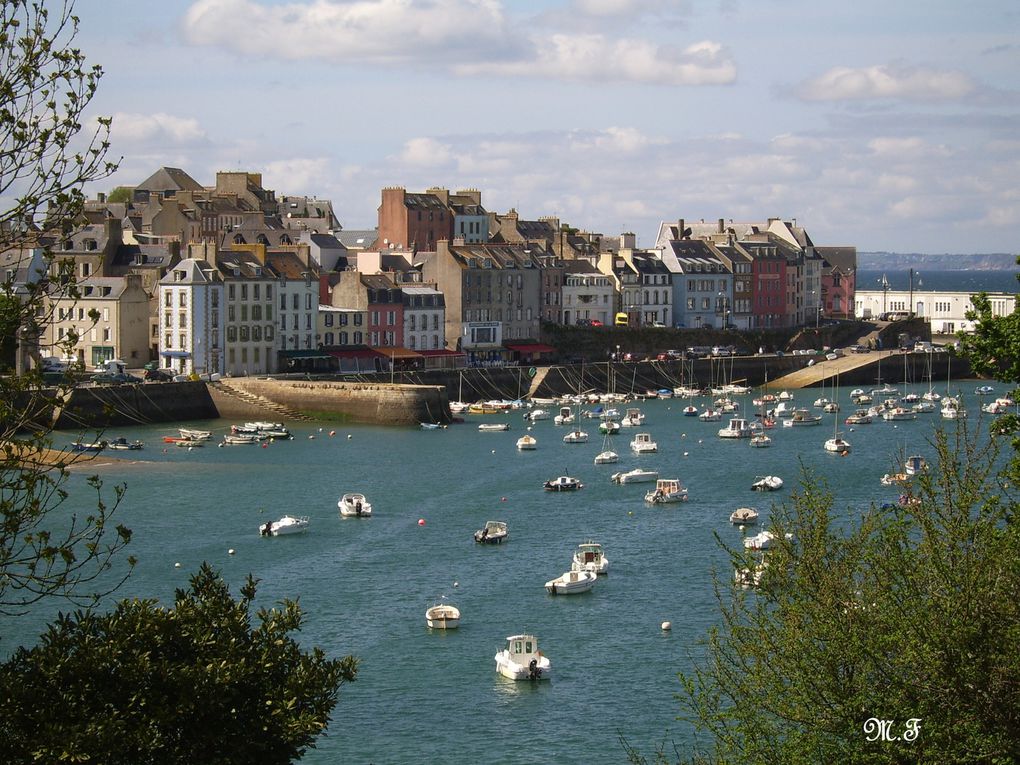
(169, 179)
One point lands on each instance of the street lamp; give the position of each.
(910, 306)
(884, 282)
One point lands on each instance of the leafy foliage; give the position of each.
(908, 612)
(45, 159)
(193, 683)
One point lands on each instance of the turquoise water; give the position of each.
(364, 584)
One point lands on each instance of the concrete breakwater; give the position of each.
(475, 384)
(379, 403)
(425, 396)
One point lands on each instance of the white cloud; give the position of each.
(595, 58)
(306, 175)
(894, 148)
(157, 127)
(628, 7)
(380, 31)
(470, 37)
(426, 152)
(908, 83)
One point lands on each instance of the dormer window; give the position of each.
(90, 244)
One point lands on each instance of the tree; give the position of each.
(905, 614)
(993, 348)
(45, 159)
(193, 683)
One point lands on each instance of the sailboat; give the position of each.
(458, 406)
(607, 456)
(837, 444)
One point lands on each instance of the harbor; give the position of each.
(364, 583)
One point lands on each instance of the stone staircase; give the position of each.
(260, 402)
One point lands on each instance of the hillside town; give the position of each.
(232, 279)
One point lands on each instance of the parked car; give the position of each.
(114, 378)
(159, 375)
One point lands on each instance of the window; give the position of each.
(343, 338)
(283, 301)
(391, 318)
(256, 333)
(244, 333)
(295, 301)
(231, 334)
(230, 313)
(308, 301)
(244, 292)
(231, 291)
(244, 312)
(168, 299)
(256, 313)
(255, 292)
(182, 320)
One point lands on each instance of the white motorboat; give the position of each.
(666, 491)
(354, 505)
(576, 437)
(88, 446)
(710, 415)
(288, 524)
(493, 533)
(634, 418)
(744, 516)
(952, 409)
(767, 483)
(637, 475)
(589, 556)
(984, 390)
(785, 396)
(442, 616)
(527, 442)
(643, 444)
(537, 414)
(915, 464)
(859, 417)
(431, 425)
(571, 582)
(736, 428)
(124, 445)
(761, 440)
(837, 445)
(690, 411)
(563, 483)
(522, 660)
(494, 427)
(802, 417)
(821, 402)
(565, 417)
(761, 541)
(898, 413)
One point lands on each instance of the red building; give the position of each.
(413, 221)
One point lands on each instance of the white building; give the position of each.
(588, 296)
(191, 326)
(424, 319)
(943, 310)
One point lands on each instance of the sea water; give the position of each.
(364, 583)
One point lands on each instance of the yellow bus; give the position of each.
(622, 320)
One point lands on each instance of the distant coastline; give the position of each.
(876, 261)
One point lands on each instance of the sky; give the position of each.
(891, 126)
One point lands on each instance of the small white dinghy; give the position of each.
(743, 516)
(571, 582)
(442, 616)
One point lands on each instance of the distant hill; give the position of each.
(999, 261)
